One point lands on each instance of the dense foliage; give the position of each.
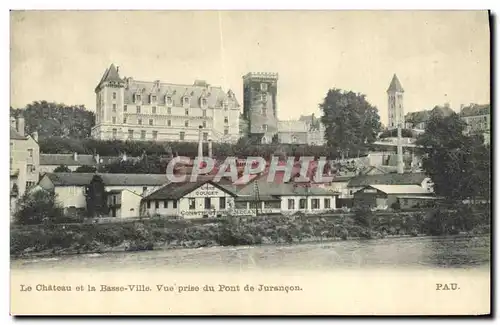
(458, 164)
(37, 207)
(54, 119)
(351, 123)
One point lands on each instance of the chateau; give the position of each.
(128, 109)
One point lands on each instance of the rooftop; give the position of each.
(388, 179)
(395, 85)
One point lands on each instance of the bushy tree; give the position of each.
(38, 206)
(351, 122)
(458, 164)
(62, 169)
(85, 169)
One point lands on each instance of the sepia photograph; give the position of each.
(244, 162)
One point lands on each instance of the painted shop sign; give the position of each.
(235, 212)
(207, 190)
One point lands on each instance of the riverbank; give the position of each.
(156, 234)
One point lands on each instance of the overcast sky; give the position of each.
(438, 56)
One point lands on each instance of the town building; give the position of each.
(478, 119)
(24, 160)
(70, 188)
(418, 120)
(260, 105)
(306, 130)
(382, 197)
(128, 109)
(395, 94)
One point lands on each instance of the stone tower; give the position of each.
(259, 105)
(109, 104)
(396, 108)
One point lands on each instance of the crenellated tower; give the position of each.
(260, 104)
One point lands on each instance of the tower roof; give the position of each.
(395, 85)
(111, 74)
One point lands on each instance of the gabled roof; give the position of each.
(175, 191)
(475, 110)
(82, 179)
(400, 189)
(388, 179)
(14, 135)
(395, 85)
(111, 74)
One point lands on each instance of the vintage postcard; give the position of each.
(250, 163)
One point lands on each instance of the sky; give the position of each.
(440, 56)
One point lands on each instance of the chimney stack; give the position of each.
(35, 136)
(200, 142)
(75, 156)
(20, 125)
(210, 147)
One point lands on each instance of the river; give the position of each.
(398, 253)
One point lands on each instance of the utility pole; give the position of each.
(257, 197)
(400, 163)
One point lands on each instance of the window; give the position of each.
(149, 204)
(169, 123)
(165, 204)
(222, 203)
(182, 135)
(264, 110)
(153, 109)
(205, 136)
(224, 105)
(208, 203)
(253, 205)
(138, 109)
(137, 98)
(124, 120)
(263, 97)
(139, 121)
(226, 120)
(226, 131)
(186, 123)
(291, 204)
(153, 98)
(130, 134)
(169, 100)
(113, 120)
(30, 168)
(315, 204)
(114, 107)
(114, 95)
(169, 110)
(186, 101)
(175, 204)
(192, 204)
(204, 113)
(272, 205)
(303, 204)
(203, 102)
(143, 135)
(157, 204)
(204, 124)
(263, 86)
(264, 127)
(144, 188)
(124, 108)
(327, 204)
(186, 111)
(114, 133)
(150, 121)
(114, 199)
(30, 152)
(155, 135)
(294, 139)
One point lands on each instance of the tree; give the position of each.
(85, 169)
(351, 122)
(62, 169)
(38, 206)
(96, 198)
(458, 164)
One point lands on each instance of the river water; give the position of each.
(398, 253)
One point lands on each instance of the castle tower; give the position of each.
(109, 105)
(259, 105)
(395, 100)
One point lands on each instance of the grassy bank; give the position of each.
(154, 234)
